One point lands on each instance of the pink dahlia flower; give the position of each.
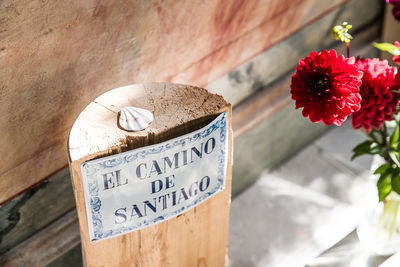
(396, 8)
(397, 57)
(379, 100)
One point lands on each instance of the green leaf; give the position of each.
(388, 47)
(384, 185)
(396, 183)
(394, 156)
(366, 147)
(382, 169)
(394, 138)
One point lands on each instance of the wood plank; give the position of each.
(197, 237)
(253, 75)
(45, 246)
(55, 57)
(267, 34)
(26, 174)
(72, 257)
(390, 32)
(36, 208)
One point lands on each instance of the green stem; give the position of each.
(385, 144)
(384, 135)
(388, 220)
(372, 136)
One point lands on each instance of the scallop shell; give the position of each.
(135, 119)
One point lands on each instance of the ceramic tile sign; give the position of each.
(145, 186)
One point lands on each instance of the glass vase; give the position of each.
(379, 232)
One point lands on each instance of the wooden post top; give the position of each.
(196, 237)
(95, 133)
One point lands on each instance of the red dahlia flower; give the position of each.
(379, 100)
(397, 57)
(326, 86)
(396, 8)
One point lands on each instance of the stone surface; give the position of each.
(305, 206)
(348, 253)
(278, 223)
(393, 261)
(325, 174)
(339, 143)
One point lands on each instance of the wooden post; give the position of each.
(197, 237)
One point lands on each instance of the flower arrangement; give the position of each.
(331, 87)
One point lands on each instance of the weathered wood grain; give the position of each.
(72, 257)
(197, 237)
(280, 59)
(35, 209)
(251, 43)
(46, 246)
(54, 57)
(390, 32)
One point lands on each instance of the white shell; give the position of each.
(135, 119)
